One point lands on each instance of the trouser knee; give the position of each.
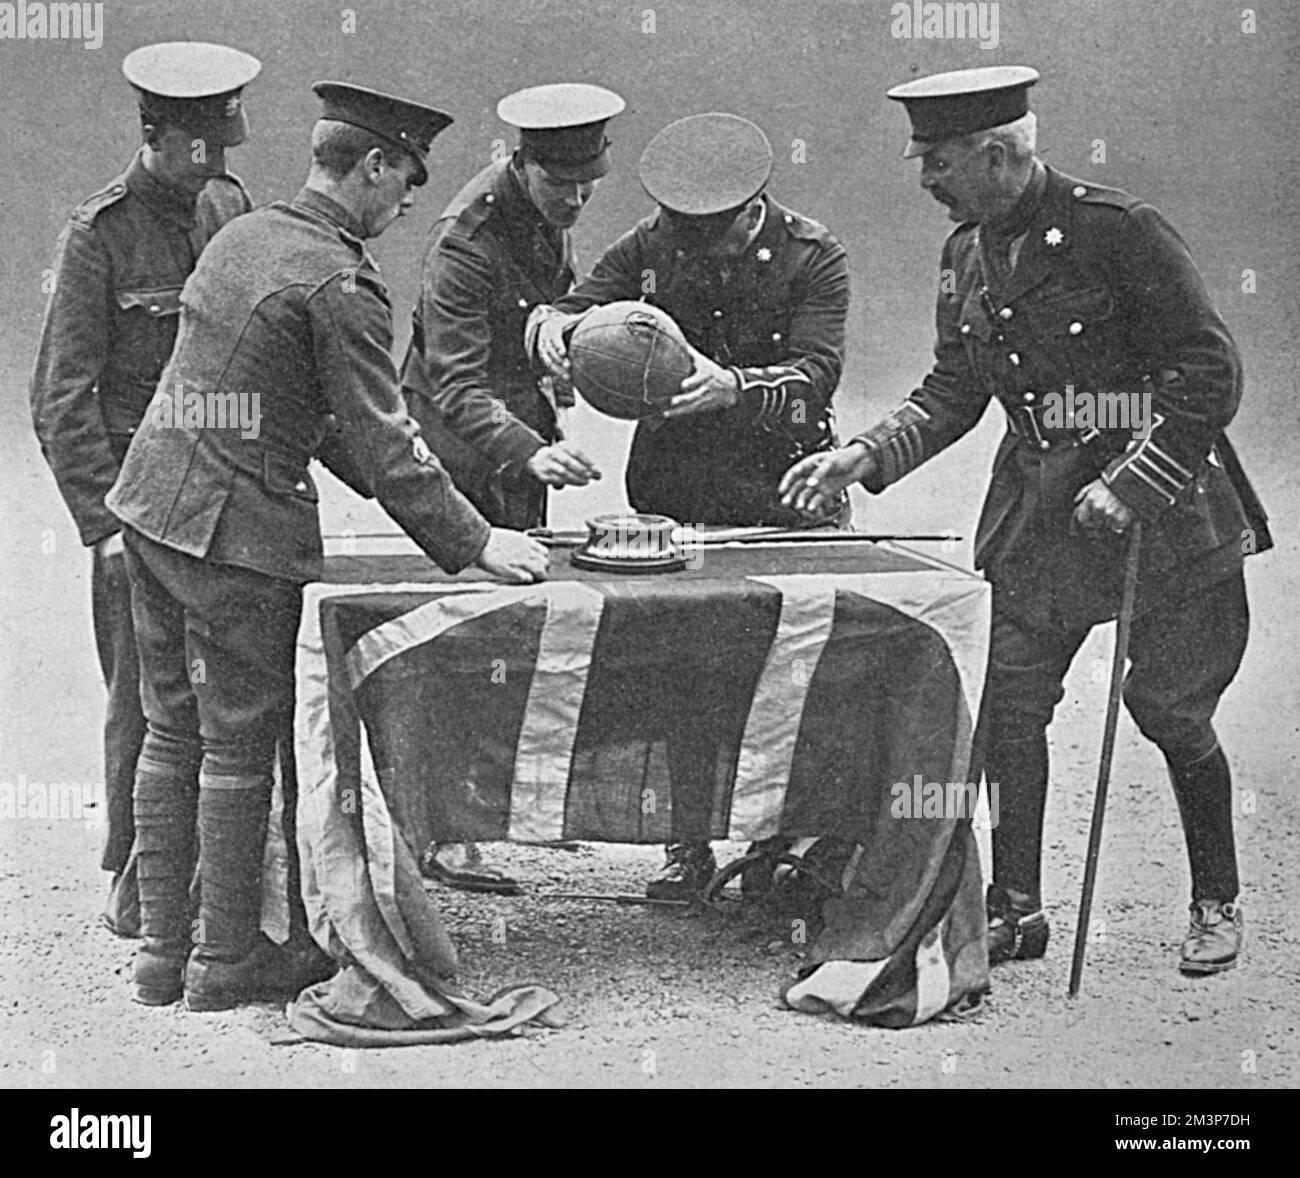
(1183, 739)
(1020, 701)
(251, 757)
(169, 751)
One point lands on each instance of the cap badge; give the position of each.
(1053, 236)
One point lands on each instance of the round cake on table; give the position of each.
(631, 543)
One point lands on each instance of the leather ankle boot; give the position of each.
(1018, 928)
(1214, 939)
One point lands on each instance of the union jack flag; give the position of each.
(787, 691)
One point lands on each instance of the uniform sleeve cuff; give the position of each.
(875, 482)
(460, 556)
(1146, 502)
(516, 448)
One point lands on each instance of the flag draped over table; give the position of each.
(804, 703)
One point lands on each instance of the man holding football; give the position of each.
(761, 294)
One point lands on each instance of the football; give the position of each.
(628, 359)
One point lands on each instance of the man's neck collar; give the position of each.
(1017, 216)
(517, 184)
(328, 201)
(162, 197)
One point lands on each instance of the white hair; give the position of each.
(1020, 138)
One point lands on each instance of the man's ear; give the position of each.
(997, 156)
(755, 212)
(372, 164)
(151, 136)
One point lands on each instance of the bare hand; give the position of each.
(552, 351)
(513, 557)
(813, 484)
(709, 388)
(1098, 509)
(562, 465)
(110, 546)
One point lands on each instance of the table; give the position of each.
(797, 688)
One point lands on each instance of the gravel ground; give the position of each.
(654, 999)
(689, 999)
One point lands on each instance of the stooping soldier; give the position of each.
(1060, 294)
(286, 331)
(761, 294)
(500, 248)
(109, 328)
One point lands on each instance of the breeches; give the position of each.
(216, 649)
(1182, 657)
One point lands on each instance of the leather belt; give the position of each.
(1022, 420)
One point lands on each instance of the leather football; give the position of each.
(628, 359)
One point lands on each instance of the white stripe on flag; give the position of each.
(838, 984)
(775, 715)
(932, 976)
(379, 832)
(333, 865)
(275, 866)
(957, 606)
(544, 754)
(426, 622)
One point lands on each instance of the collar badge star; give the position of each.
(763, 254)
(1053, 236)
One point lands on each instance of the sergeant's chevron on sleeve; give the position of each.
(767, 391)
(896, 443)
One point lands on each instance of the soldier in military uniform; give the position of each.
(500, 248)
(761, 294)
(285, 313)
(109, 328)
(1061, 292)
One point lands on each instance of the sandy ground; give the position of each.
(653, 999)
(690, 1000)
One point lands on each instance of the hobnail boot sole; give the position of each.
(207, 1003)
(1198, 969)
(156, 995)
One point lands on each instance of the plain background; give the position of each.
(1196, 116)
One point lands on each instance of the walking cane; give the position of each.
(1107, 753)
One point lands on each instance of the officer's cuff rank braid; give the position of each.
(896, 444)
(1147, 478)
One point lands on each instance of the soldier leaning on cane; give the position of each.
(1061, 287)
(109, 328)
(500, 248)
(286, 311)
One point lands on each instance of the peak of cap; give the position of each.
(189, 69)
(558, 105)
(955, 83)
